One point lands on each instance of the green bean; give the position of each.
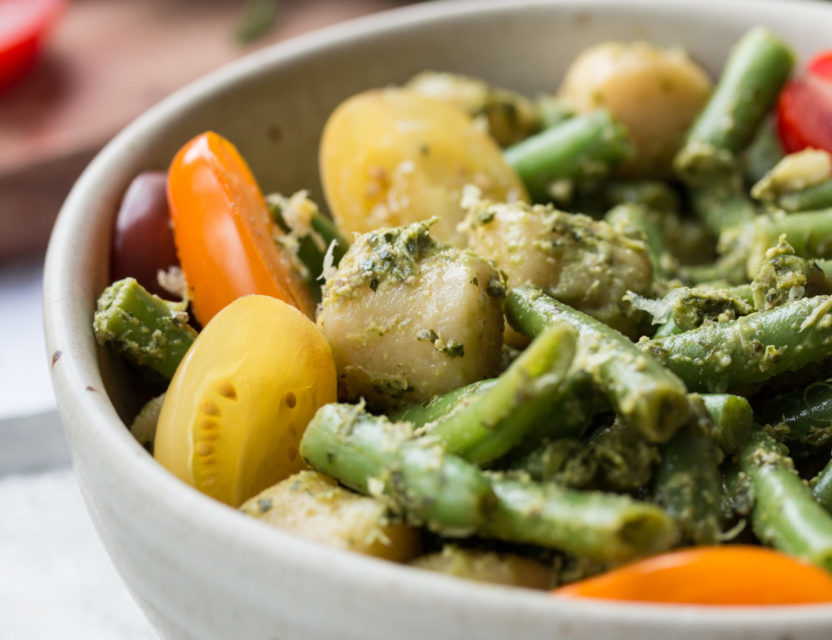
(784, 276)
(822, 487)
(498, 418)
(738, 291)
(688, 485)
(801, 416)
(553, 161)
(634, 217)
(691, 307)
(653, 194)
(642, 392)
(825, 266)
(568, 415)
(667, 328)
(751, 80)
(374, 456)
(601, 526)
(687, 239)
(571, 411)
(763, 153)
(732, 418)
(623, 458)
(149, 332)
(438, 406)
(552, 111)
(427, 486)
(562, 461)
(737, 498)
(722, 203)
(717, 357)
(615, 458)
(785, 513)
(313, 237)
(818, 196)
(809, 232)
(729, 269)
(798, 182)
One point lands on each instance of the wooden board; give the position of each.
(106, 62)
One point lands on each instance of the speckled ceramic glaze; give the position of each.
(202, 570)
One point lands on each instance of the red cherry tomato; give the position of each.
(821, 65)
(804, 110)
(143, 237)
(23, 24)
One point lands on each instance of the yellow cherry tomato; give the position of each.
(238, 404)
(392, 156)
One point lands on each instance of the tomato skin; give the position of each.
(224, 236)
(821, 65)
(804, 109)
(23, 25)
(717, 575)
(143, 238)
(239, 402)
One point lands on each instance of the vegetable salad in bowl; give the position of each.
(576, 341)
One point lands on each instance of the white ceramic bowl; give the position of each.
(202, 570)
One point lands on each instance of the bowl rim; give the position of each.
(89, 417)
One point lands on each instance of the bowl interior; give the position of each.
(273, 105)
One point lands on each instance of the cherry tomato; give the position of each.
(821, 65)
(143, 238)
(23, 24)
(727, 575)
(224, 236)
(238, 404)
(804, 110)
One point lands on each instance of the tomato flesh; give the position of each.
(224, 236)
(804, 109)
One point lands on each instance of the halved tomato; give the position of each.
(804, 110)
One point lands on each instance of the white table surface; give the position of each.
(56, 580)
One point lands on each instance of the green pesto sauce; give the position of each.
(386, 255)
(451, 348)
(692, 307)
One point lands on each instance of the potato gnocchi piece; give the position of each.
(580, 261)
(488, 566)
(409, 318)
(313, 506)
(391, 157)
(655, 93)
(509, 115)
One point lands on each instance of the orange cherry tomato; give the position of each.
(729, 575)
(224, 236)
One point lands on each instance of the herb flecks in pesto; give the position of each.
(388, 255)
(451, 348)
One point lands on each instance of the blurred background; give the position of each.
(72, 74)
